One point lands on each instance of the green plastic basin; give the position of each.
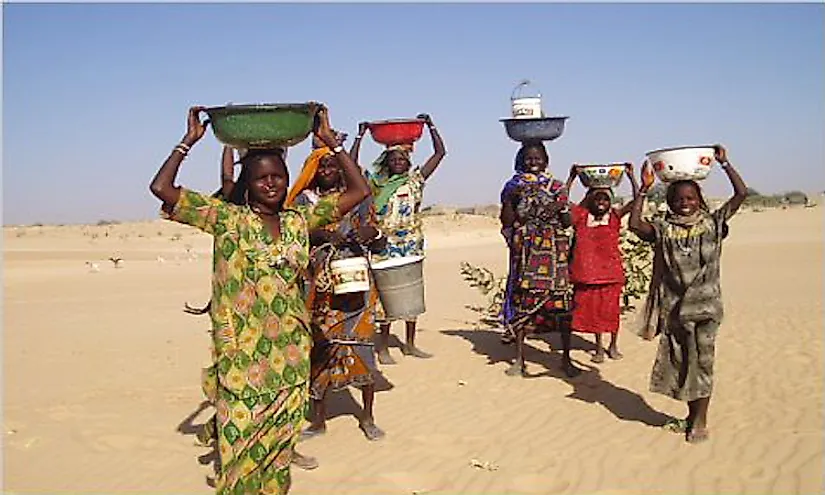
(264, 125)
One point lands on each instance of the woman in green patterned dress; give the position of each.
(684, 302)
(260, 324)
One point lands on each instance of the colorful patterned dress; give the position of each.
(685, 302)
(342, 354)
(596, 272)
(400, 221)
(261, 336)
(538, 288)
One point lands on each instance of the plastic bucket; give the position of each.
(350, 275)
(400, 284)
(527, 107)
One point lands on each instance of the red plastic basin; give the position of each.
(396, 131)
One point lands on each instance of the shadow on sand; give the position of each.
(198, 431)
(343, 403)
(587, 387)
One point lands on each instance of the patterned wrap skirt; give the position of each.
(256, 440)
(683, 369)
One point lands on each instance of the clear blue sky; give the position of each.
(95, 95)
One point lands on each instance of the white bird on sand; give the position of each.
(161, 259)
(93, 267)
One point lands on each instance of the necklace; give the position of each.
(684, 238)
(277, 261)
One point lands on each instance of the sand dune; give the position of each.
(102, 369)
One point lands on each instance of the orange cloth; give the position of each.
(307, 176)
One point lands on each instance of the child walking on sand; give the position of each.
(596, 264)
(684, 303)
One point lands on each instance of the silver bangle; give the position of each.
(337, 149)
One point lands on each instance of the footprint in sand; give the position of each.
(538, 483)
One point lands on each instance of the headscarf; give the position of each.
(382, 184)
(306, 179)
(521, 177)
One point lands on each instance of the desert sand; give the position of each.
(102, 369)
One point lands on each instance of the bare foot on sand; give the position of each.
(410, 350)
(371, 431)
(516, 370)
(312, 432)
(697, 435)
(304, 462)
(613, 353)
(385, 358)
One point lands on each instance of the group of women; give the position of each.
(282, 339)
(556, 282)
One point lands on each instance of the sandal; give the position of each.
(676, 425)
(309, 433)
(304, 462)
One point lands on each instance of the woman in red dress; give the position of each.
(596, 268)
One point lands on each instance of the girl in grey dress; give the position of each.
(684, 303)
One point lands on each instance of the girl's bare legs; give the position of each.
(598, 357)
(613, 350)
(698, 420)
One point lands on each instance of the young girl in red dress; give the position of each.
(596, 265)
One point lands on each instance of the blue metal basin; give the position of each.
(534, 129)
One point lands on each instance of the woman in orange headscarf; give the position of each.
(343, 325)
